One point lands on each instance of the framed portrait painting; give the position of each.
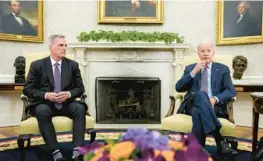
(130, 11)
(21, 20)
(239, 22)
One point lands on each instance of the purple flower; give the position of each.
(104, 157)
(132, 133)
(194, 152)
(90, 148)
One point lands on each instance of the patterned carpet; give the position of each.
(10, 143)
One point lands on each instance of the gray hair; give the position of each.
(53, 37)
(245, 3)
(205, 42)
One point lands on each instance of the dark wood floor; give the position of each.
(242, 132)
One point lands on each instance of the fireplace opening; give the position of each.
(128, 100)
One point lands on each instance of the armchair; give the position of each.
(183, 123)
(29, 125)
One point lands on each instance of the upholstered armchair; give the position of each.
(183, 123)
(29, 124)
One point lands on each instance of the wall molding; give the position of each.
(7, 78)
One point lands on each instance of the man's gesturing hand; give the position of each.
(212, 101)
(200, 65)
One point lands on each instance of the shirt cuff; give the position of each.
(69, 94)
(46, 95)
(192, 75)
(217, 100)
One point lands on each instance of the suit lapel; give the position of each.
(214, 75)
(49, 71)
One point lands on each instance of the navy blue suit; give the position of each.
(197, 103)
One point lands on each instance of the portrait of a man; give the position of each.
(20, 19)
(242, 18)
(130, 11)
(14, 23)
(239, 22)
(132, 8)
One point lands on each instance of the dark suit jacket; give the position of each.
(40, 80)
(11, 26)
(248, 26)
(221, 84)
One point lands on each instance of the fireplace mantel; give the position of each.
(138, 59)
(136, 52)
(142, 45)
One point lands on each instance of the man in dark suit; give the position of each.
(53, 83)
(13, 23)
(209, 88)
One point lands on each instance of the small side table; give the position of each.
(257, 109)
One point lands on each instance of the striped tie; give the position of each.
(204, 81)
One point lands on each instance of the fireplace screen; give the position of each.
(128, 100)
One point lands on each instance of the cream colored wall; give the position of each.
(195, 20)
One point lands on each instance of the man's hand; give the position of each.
(51, 96)
(62, 97)
(200, 65)
(213, 101)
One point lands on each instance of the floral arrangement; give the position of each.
(139, 144)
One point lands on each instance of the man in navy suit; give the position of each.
(209, 88)
(13, 23)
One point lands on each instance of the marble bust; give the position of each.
(239, 66)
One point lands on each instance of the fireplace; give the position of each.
(128, 100)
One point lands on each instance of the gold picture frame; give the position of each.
(26, 24)
(232, 29)
(130, 11)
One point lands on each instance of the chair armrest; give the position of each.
(172, 104)
(82, 98)
(230, 109)
(26, 102)
(24, 97)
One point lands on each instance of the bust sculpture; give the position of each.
(19, 64)
(239, 66)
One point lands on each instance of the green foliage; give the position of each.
(125, 36)
(89, 156)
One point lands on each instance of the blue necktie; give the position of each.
(57, 84)
(204, 81)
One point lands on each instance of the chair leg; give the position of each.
(23, 142)
(92, 133)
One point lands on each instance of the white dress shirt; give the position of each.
(18, 19)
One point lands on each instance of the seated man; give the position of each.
(209, 88)
(53, 83)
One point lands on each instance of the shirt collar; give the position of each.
(15, 14)
(209, 65)
(53, 62)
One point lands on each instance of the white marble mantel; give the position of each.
(130, 59)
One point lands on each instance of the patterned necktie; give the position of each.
(57, 84)
(204, 80)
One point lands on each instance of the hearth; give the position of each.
(128, 100)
